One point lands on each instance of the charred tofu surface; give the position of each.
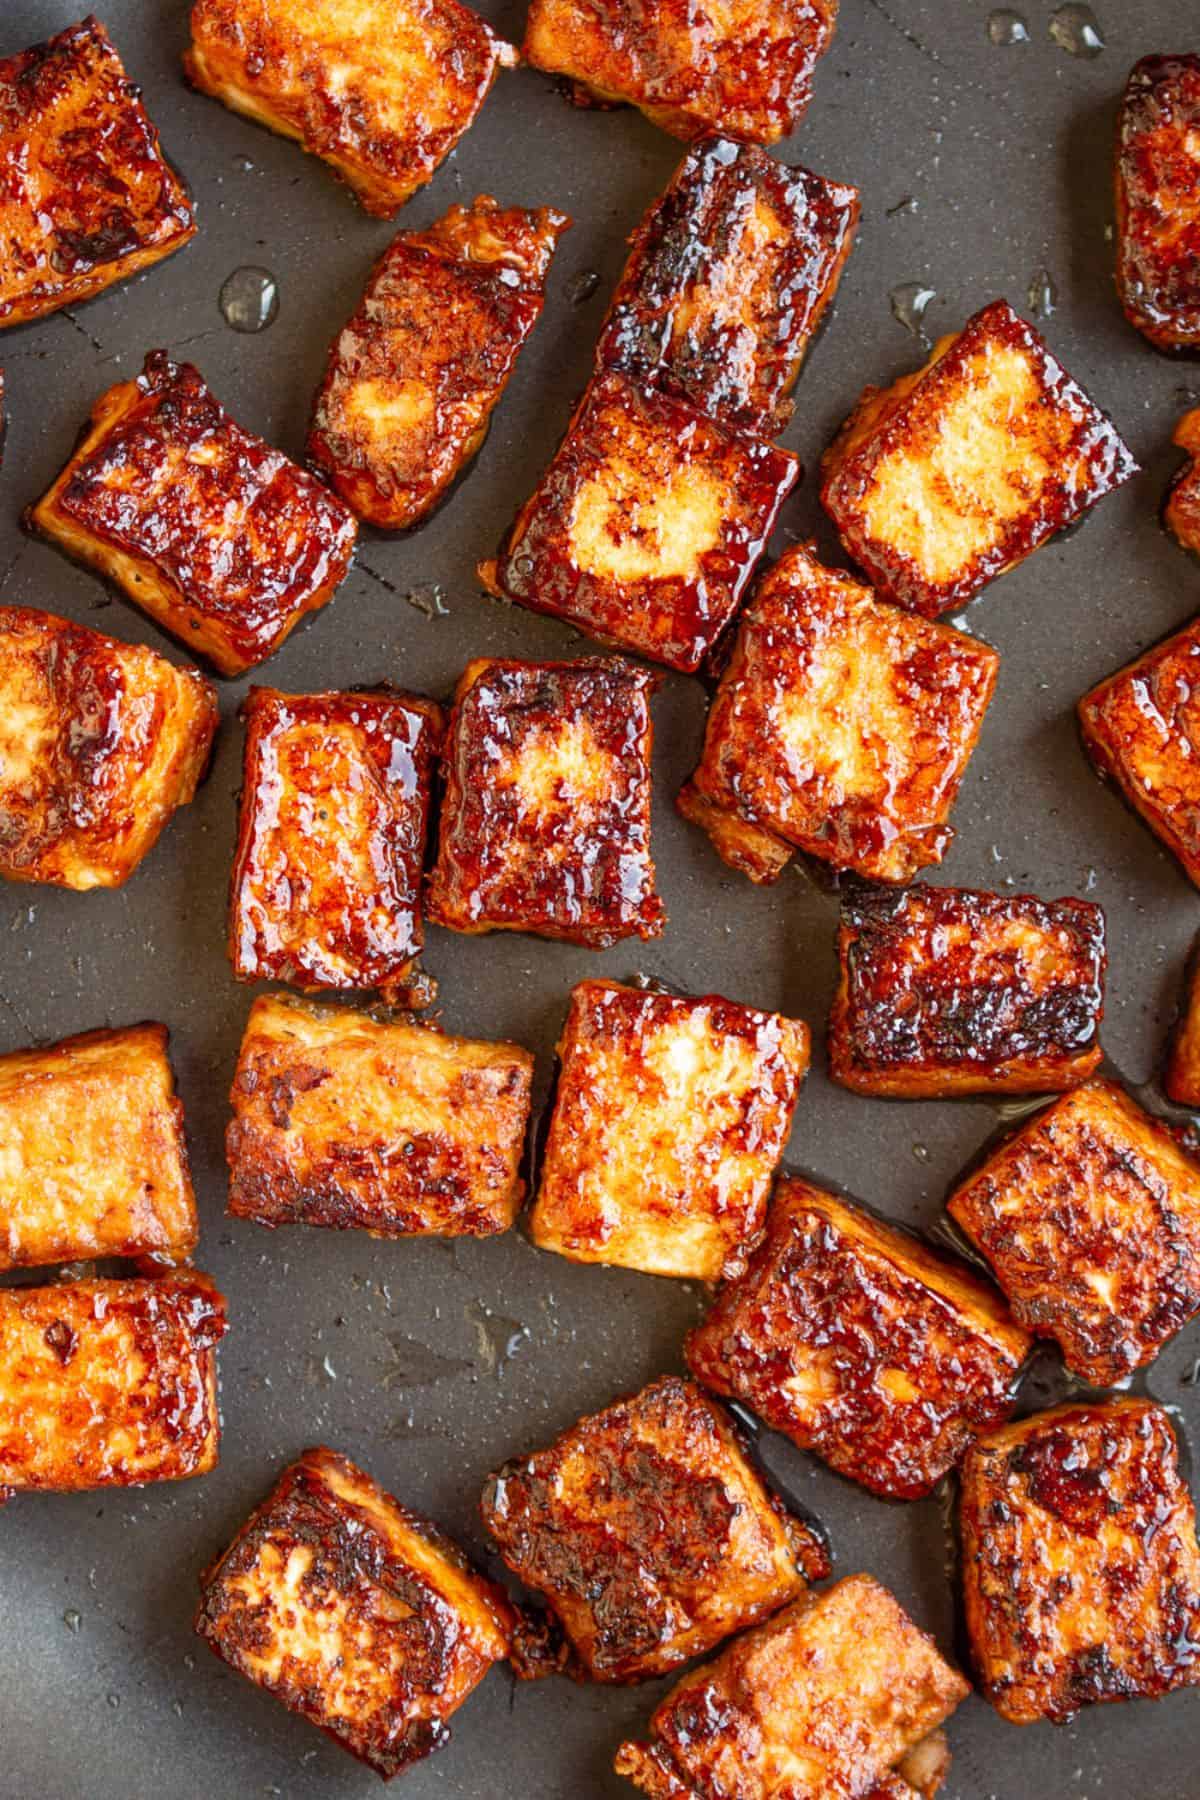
(1182, 510)
(1080, 1570)
(353, 1612)
(545, 822)
(100, 744)
(957, 472)
(1158, 200)
(222, 540)
(670, 1116)
(861, 1344)
(950, 991)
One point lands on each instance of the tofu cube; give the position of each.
(1080, 1569)
(88, 198)
(223, 541)
(1182, 510)
(354, 1612)
(413, 378)
(100, 743)
(669, 1118)
(1158, 200)
(956, 473)
(646, 527)
(1182, 1080)
(545, 819)
(343, 1120)
(951, 991)
(841, 727)
(862, 1344)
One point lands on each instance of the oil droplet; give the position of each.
(500, 1338)
(114, 1700)
(1191, 1377)
(921, 1152)
(1043, 295)
(429, 597)
(1076, 29)
(413, 1364)
(72, 1619)
(249, 299)
(908, 203)
(1007, 27)
(582, 286)
(909, 304)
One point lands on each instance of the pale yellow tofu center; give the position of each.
(557, 768)
(842, 723)
(628, 527)
(378, 412)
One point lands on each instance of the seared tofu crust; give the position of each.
(1158, 200)
(841, 727)
(354, 1612)
(545, 819)
(669, 1118)
(100, 743)
(1080, 1570)
(1182, 510)
(952, 991)
(1182, 1079)
(954, 474)
(861, 1344)
(87, 197)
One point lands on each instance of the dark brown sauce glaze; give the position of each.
(1158, 200)
(1182, 509)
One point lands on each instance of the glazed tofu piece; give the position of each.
(728, 278)
(1182, 1082)
(223, 541)
(109, 1383)
(951, 991)
(862, 1344)
(646, 527)
(412, 381)
(1182, 509)
(88, 197)
(545, 820)
(1080, 1570)
(669, 1118)
(100, 744)
(841, 727)
(1158, 200)
(821, 1703)
(326, 885)
(353, 1611)
(343, 1120)
(956, 473)
(381, 90)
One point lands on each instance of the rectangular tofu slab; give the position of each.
(1158, 200)
(1181, 512)
(1182, 1078)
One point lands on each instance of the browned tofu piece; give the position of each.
(1090, 1218)
(88, 197)
(1182, 1079)
(951, 991)
(545, 820)
(841, 727)
(222, 540)
(1158, 200)
(1080, 1569)
(669, 1118)
(954, 474)
(727, 281)
(100, 743)
(822, 1703)
(1182, 509)
(646, 527)
(326, 885)
(381, 90)
(109, 1383)
(344, 1120)
(354, 1612)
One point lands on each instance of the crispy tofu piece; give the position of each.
(952, 991)
(381, 90)
(1158, 200)
(223, 541)
(100, 743)
(1080, 1569)
(545, 819)
(729, 275)
(88, 198)
(1182, 509)
(841, 727)
(821, 1703)
(354, 1612)
(326, 885)
(956, 473)
(669, 1118)
(647, 525)
(109, 1383)
(412, 381)
(861, 1344)
(1182, 1079)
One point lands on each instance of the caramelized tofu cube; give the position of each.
(222, 540)
(545, 822)
(957, 472)
(1182, 1081)
(100, 743)
(1182, 510)
(1158, 200)
(88, 197)
(326, 887)
(354, 1612)
(841, 727)
(949, 991)
(646, 527)
(1081, 1573)
(670, 1116)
